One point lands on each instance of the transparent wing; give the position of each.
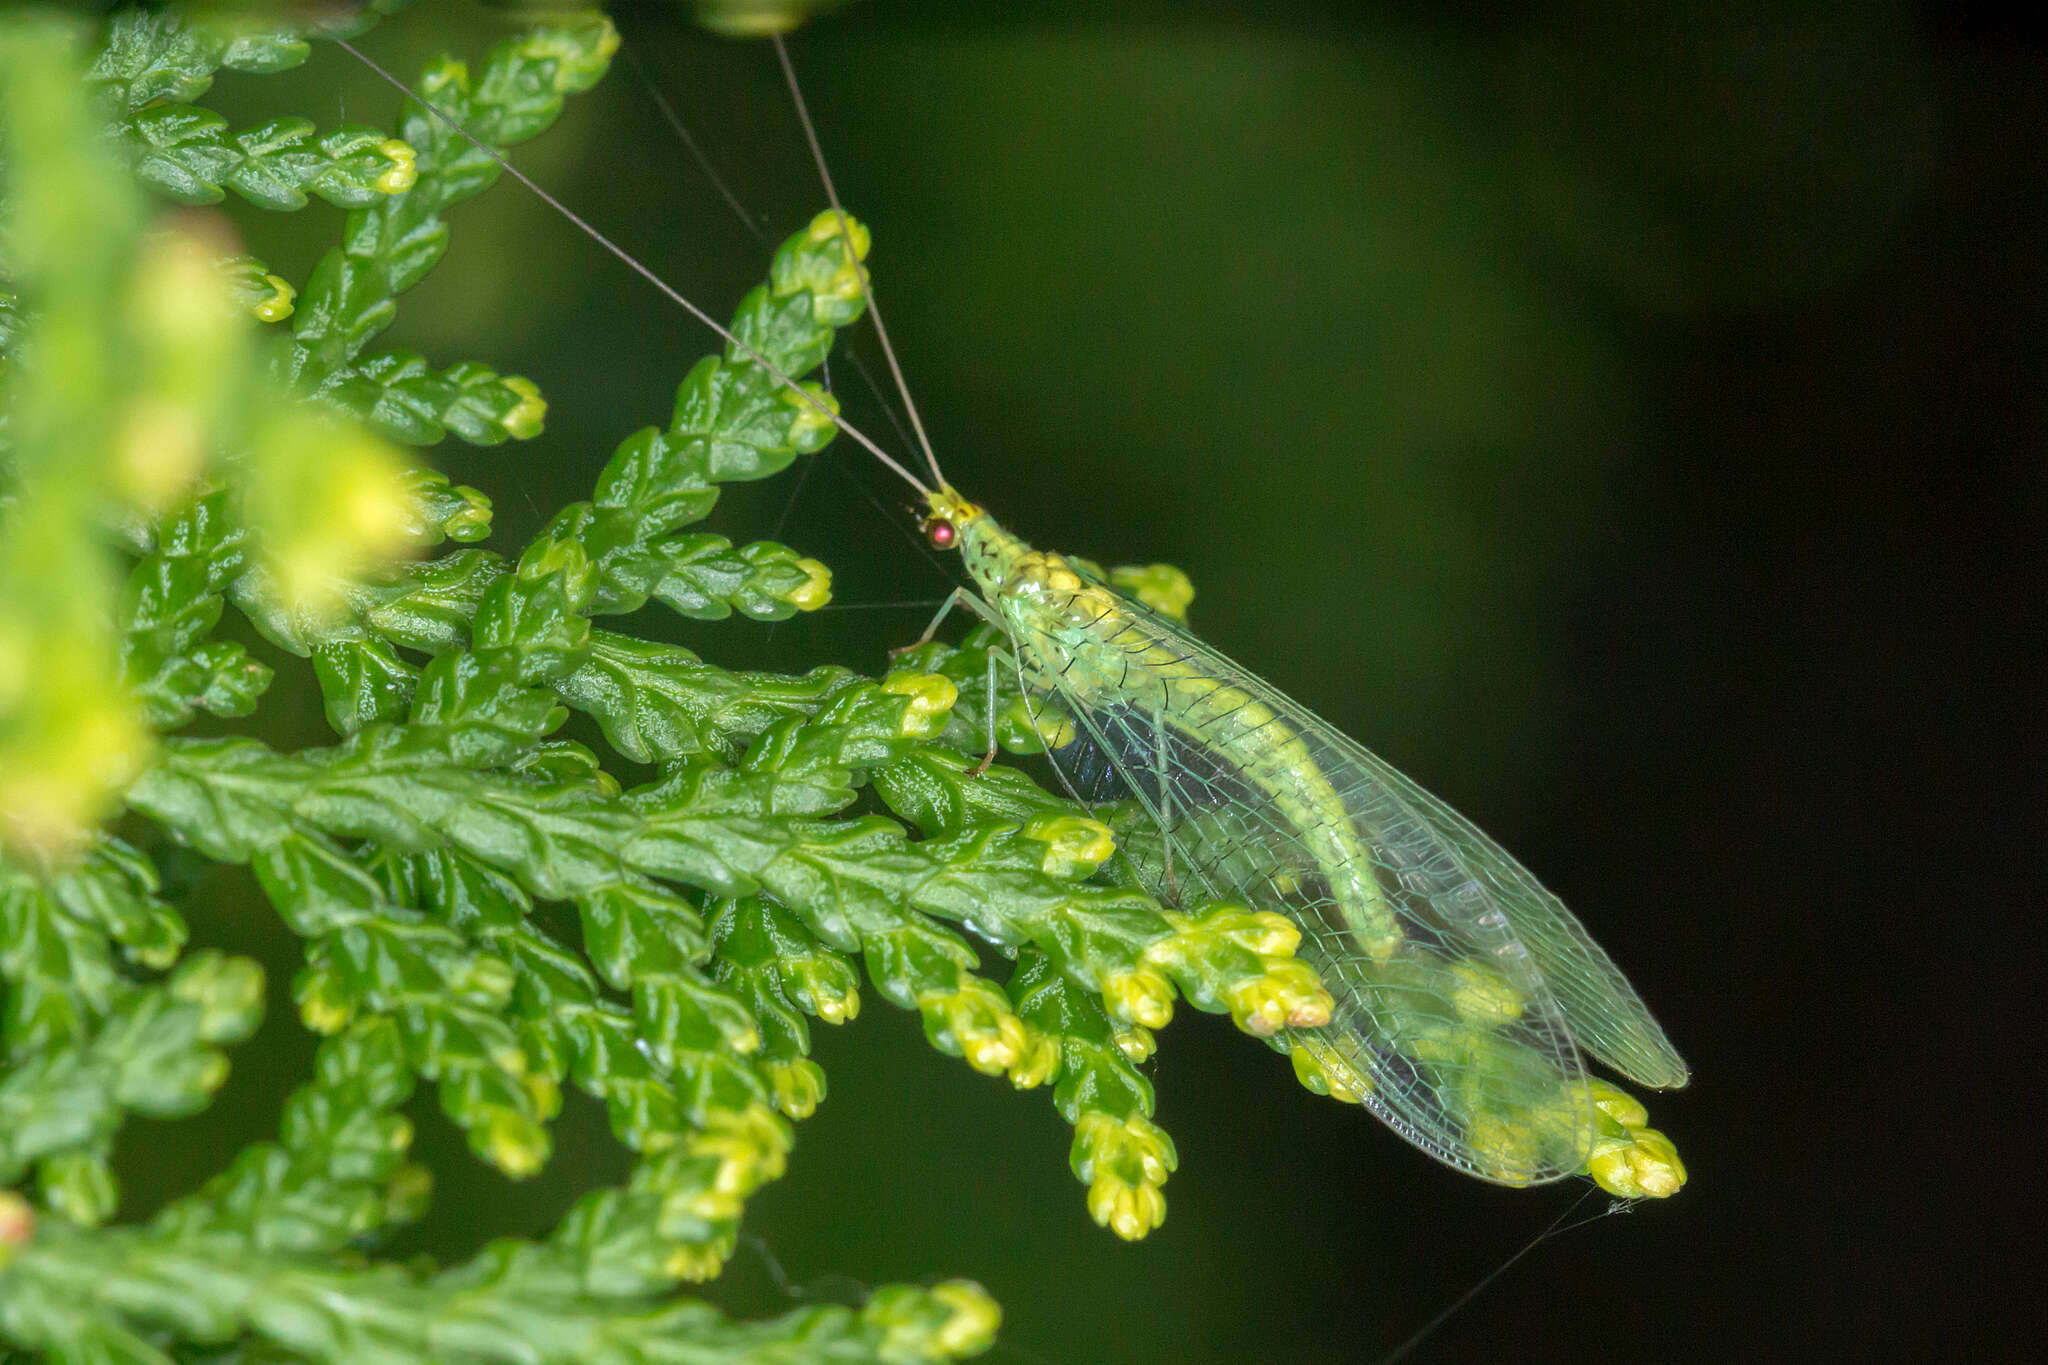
(1466, 1038)
(1607, 1018)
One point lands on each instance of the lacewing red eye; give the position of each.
(941, 533)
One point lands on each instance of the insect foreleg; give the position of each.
(959, 597)
(989, 712)
(963, 597)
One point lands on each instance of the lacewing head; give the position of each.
(946, 512)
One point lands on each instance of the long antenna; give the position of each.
(667, 110)
(803, 113)
(633, 263)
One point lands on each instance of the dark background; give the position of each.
(1628, 422)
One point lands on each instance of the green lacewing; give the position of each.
(1464, 992)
